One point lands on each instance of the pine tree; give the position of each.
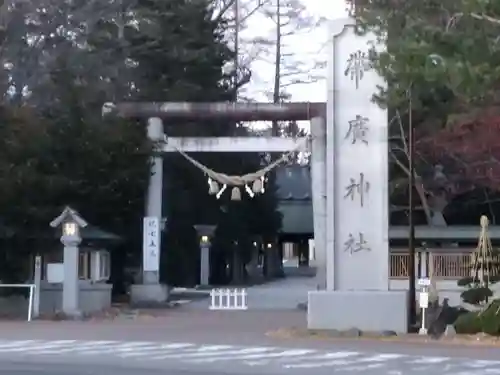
(180, 51)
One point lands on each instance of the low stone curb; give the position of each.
(481, 339)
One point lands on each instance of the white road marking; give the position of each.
(381, 357)
(364, 367)
(206, 350)
(212, 354)
(211, 348)
(429, 360)
(285, 358)
(286, 353)
(333, 355)
(481, 363)
(120, 348)
(85, 346)
(159, 349)
(32, 347)
(338, 362)
(16, 344)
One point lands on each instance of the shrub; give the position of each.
(487, 321)
(468, 323)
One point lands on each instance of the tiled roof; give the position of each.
(297, 217)
(294, 182)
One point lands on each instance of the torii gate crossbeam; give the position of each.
(222, 111)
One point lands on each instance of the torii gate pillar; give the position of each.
(150, 290)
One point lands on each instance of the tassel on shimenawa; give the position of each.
(213, 187)
(236, 194)
(257, 186)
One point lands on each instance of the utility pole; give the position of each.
(412, 309)
(236, 46)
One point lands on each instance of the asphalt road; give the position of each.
(176, 358)
(20, 368)
(222, 343)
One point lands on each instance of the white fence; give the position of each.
(228, 299)
(32, 288)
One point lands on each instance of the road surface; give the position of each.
(225, 343)
(178, 357)
(19, 368)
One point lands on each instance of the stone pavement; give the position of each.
(278, 359)
(281, 294)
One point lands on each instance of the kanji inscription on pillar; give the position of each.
(151, 244)
(356, 66)
(358, 130)
(356, 243)
(357, 189)
(358, 171)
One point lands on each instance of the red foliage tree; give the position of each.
(467, 155)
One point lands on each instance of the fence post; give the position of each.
(431, 269)
(424, 261)
(219, 294)
(244, 298)
(30, 303)
(37, 280)
(225, 298)
(236, 299)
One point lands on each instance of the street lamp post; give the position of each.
(71, 223)
(205, 232)
(433, 61)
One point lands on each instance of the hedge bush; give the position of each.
(487, 321)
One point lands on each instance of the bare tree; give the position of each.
(236, 14)
(294, 64)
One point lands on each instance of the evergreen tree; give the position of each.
(180, 51)
(59, 151)
(57, 148)
(440, 48)
(444, 56)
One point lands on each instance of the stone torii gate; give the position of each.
(151, 289)
(350, 174)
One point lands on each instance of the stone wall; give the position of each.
(93, 297)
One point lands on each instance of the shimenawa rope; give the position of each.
(256, 178)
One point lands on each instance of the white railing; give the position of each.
(32, 293)
(228, 299)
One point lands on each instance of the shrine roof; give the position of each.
(294, 183)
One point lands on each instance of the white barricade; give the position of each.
(228, 299)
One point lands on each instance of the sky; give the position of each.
(308, 48)
(305, 47)
(331, 10)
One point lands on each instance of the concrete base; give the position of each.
(365, 310)
(149, 293)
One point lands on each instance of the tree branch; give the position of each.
(482, 17)
(399, 163)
